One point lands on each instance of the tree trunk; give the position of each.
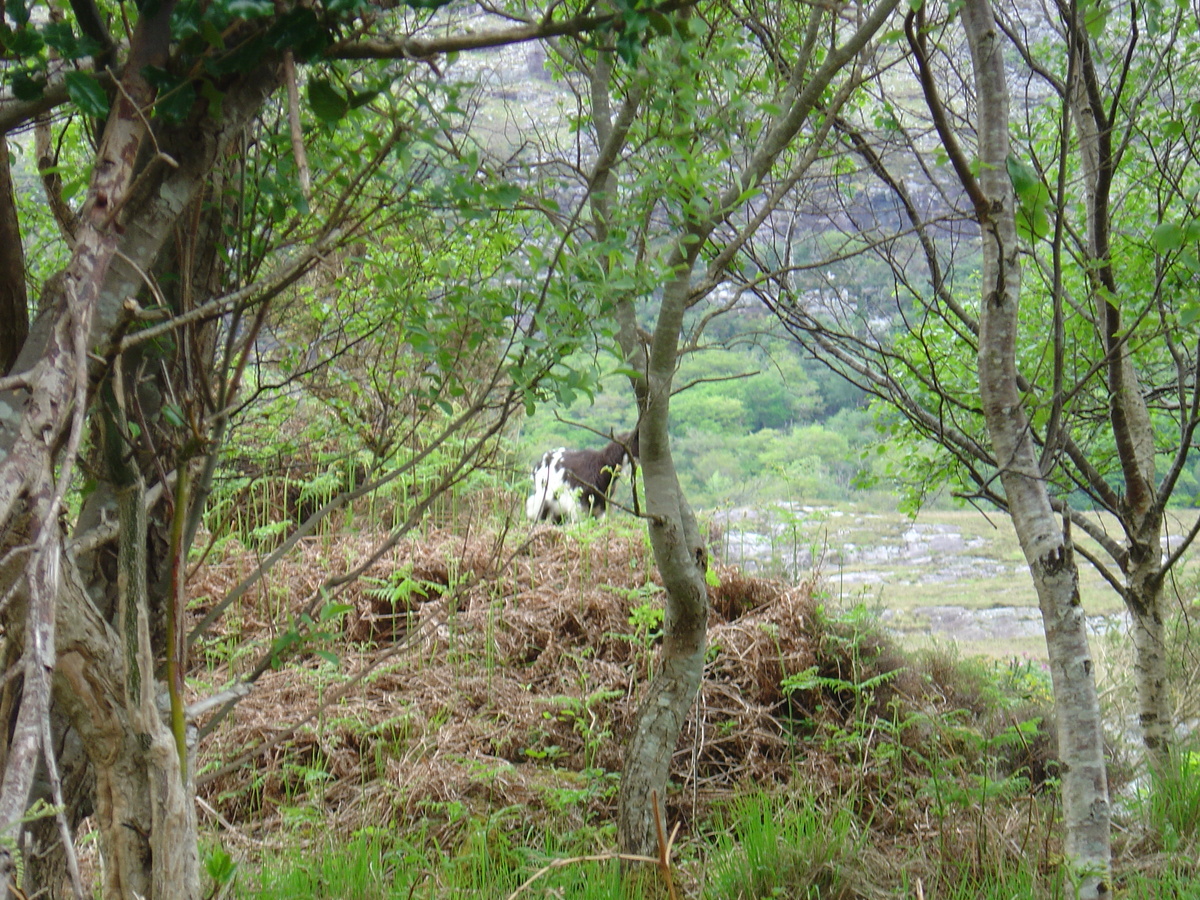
(659, 722)
(143, 804)
(1143, 599)
(14, 310)
(678, 548)
(1048, 550)
(46, 866)
(674, 535)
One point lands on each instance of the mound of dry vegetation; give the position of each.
(472, 674)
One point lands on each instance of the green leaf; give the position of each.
(358, 99)
(212, 34)
(87, 93)
(1095, 17)
(659, 23)
(1167, 237)
(1189, 314)
(1024, 178)
(334, 610)
(241, 57)
(173, 414)
(69, 45)
(1032, 222)
(326, 101)
(175, 95)
(22, 43)
(506, 195)
(220, 866)
(18, 11)
(299, 30)
(213, 95)
(1173, 128)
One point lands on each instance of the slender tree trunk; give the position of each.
(1048, 550)
(674, 535)
(678, 547)
(1141, 508)
(682, 562)
(143, 804)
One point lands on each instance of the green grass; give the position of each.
(921, 803)
(376, 864)
(775, 846)
(761, 845)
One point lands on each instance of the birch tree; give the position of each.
(1106, 177)
(1048, 549)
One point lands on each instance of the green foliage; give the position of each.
(311, 631)
(587, 715)
(220, 867)
(87, 94)
(1033, 198)
(646, 620)
(354, 869)
(1172, 803)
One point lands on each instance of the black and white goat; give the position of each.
(569, 484)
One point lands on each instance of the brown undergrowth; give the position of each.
(477, 674)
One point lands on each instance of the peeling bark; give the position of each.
(144, 811)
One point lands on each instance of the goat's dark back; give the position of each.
(593, 471)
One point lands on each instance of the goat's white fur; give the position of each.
(553, 498)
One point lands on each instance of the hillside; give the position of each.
(496, 675)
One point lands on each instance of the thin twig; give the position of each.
(664, 846)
